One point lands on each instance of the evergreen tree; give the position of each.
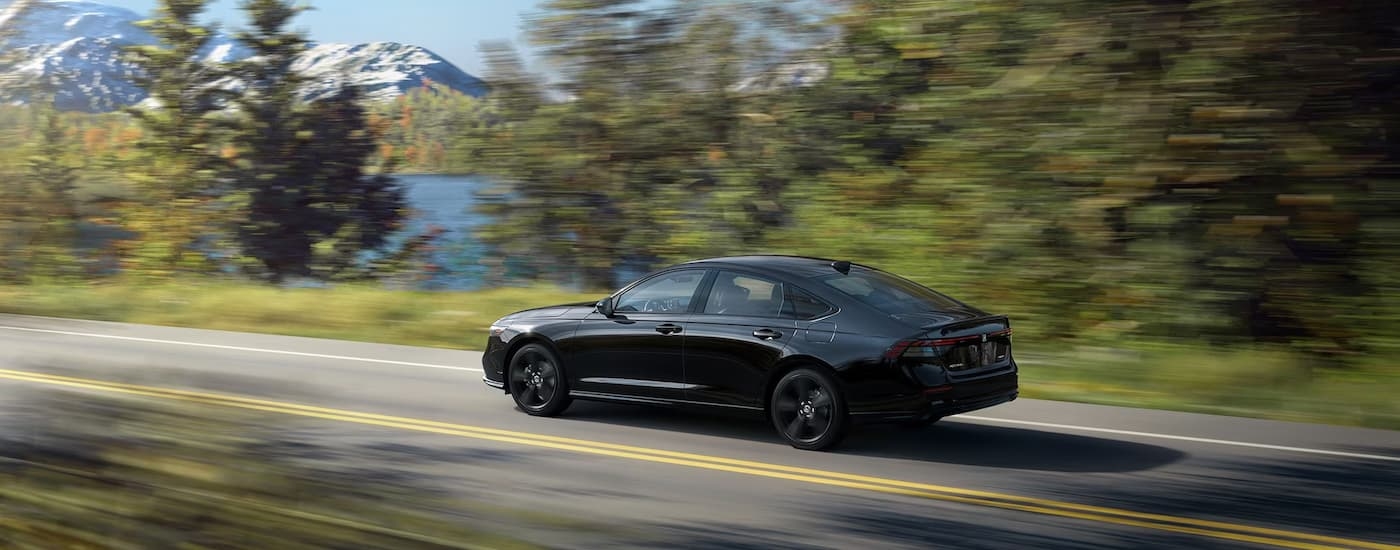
(38, 208)
(639, 153)
(51, 182)
(176, 185)
(12, 192)
(53, 173)
(311, 208)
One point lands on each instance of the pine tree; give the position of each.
(640, 160)
(51, 182)
(310, 208)
(176, 183)
(13, 206)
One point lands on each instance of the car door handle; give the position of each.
(767, 333)
(668, 328)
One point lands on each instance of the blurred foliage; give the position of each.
(38, 209)
(432, 128)
(311, 208)
(113, 473)
(1216, 172)
(175, 205)
(652, 154)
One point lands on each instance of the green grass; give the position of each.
(1259, 382)
(456, 320)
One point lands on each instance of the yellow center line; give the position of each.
(1215, 529)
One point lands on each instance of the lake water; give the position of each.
(446, 201)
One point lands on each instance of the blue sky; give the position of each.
(453, 29)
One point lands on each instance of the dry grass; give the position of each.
(456, 320)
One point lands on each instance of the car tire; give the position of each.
(808, 410)
(536, 381)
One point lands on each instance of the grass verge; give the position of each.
(455, 320)
(1258, 382)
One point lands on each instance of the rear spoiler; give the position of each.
(971, 325)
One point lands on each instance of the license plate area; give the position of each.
(978, 354)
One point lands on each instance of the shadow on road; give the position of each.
(1342, 497)
(948, 442)
(845, 522)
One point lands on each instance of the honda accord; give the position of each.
(814, 345)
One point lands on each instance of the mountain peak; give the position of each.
(77, 45)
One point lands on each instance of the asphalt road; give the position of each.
(1030, 474)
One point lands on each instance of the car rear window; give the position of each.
(889, 294)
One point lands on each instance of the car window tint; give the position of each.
(798, 304)
(669, 293)
(889, 294)
(743, 294)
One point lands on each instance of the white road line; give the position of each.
(958, 417)
(241, 348)
(1180, 438)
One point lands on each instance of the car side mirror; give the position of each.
(605, 306)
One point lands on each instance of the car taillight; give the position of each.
(928, 347)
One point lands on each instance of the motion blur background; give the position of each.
(1182, 204)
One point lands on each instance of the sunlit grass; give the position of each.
(457, 320)
(1260, 382)
(1255, 382)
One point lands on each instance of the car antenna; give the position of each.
(842, 266)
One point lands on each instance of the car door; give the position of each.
(638, 352)
(735, 337)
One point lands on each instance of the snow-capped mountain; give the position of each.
(382, 69)
(77, 46)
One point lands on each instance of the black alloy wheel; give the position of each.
(808, 410)
(537, 382)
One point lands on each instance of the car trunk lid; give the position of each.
(959, 342)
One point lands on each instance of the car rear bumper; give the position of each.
(961, 396)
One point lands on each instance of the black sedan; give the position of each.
(812, 344)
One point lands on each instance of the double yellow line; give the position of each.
(1176, 524)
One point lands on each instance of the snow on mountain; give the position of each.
(58, 21)
(383, 70)
(76, 46)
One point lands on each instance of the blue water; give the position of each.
(447, 202)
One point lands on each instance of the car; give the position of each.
(813, 345)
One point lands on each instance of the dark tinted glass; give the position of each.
(743, 294)
(801, 305)
(887, 293)
(668, 293)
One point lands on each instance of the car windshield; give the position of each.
(889, 294)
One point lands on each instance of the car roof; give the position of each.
(801, 266)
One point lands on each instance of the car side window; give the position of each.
(801, 305)
(669, 293)
(744, 294)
